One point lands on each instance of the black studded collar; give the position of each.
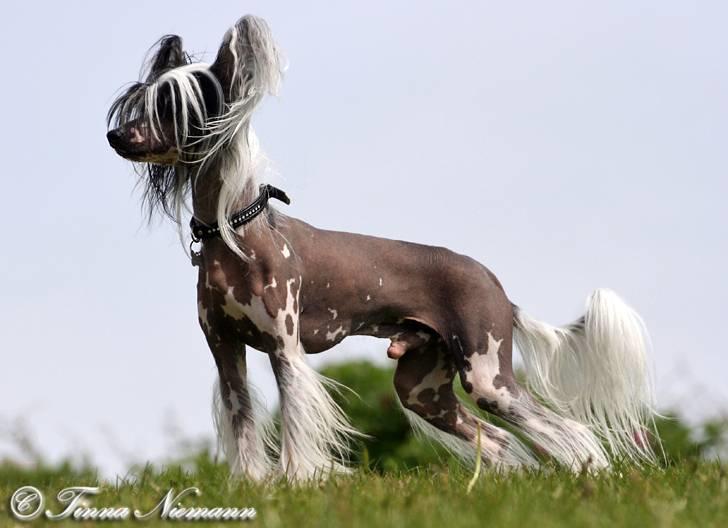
(202, 231)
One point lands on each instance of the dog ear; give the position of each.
(248, 62)
(168, 55)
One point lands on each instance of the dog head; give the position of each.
(183, 114)
(181, 105)
(145, 113)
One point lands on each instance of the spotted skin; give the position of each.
(327, 285)
(303, 290)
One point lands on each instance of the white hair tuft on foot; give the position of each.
(316, 434)
(247, 453)
(513, 455)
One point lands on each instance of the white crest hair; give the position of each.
(595, 372)
(220, 139)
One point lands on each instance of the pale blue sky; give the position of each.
(565, 145)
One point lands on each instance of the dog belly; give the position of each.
(320, 332)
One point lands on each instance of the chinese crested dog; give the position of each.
(281, 286)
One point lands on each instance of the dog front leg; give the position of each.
(241, 434)
(315, 433)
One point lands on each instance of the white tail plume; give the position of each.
(595, 371)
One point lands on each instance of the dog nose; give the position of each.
(114, 137)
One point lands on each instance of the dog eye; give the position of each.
(164, 101)
(210, 96)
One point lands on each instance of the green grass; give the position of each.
(411, 483)
(685, 494)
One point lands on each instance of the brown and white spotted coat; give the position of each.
(307, 289)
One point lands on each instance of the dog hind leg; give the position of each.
(488, 378)
(424, 384)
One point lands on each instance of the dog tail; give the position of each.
(595, 371)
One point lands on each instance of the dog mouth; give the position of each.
(128, 155)
(168, 157)
(138, 151)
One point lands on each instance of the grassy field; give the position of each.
(405, 482)
(687, 494)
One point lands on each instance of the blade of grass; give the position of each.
(478, 455)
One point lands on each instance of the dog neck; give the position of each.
(206, 189)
